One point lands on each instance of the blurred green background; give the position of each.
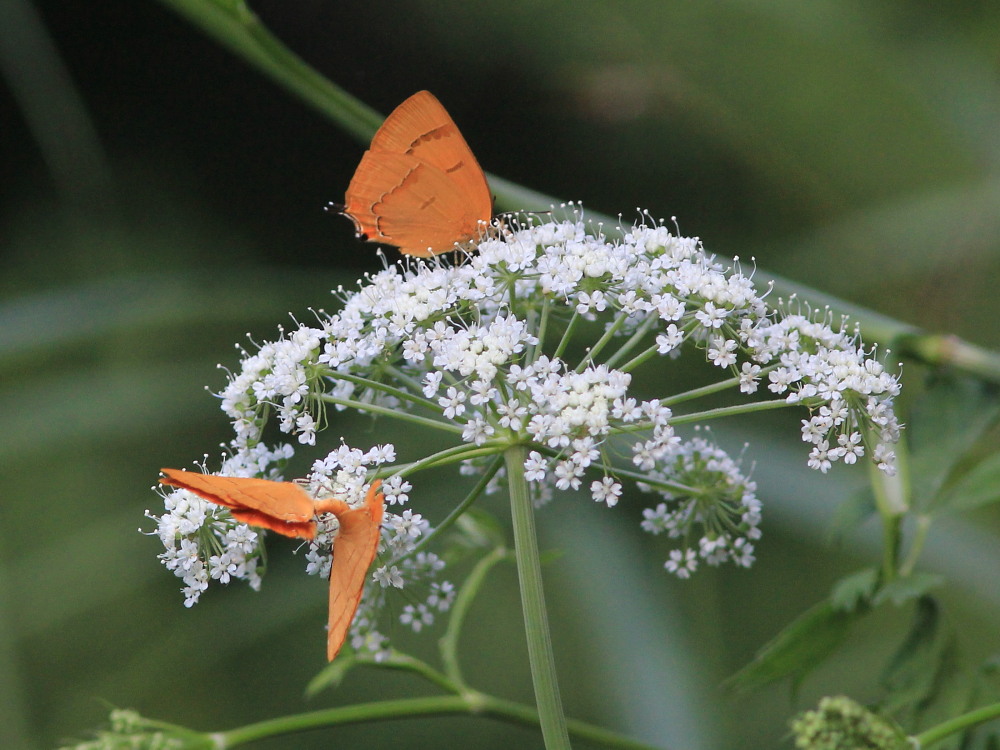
(161, 199)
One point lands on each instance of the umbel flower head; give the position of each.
(532, 340)
(840, 722)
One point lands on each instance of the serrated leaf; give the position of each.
(945, 424)
(851, 591)
(979, 487)
(903, 590)
(798, 649)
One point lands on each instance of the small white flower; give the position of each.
(749, 377)
(432, 381)
(607, 491)
(667, 342)
(682, 563)
(535, 467)
(722, 352)
(820, 458)
(395, 489)
(453, 402)
(388, 576)
(851, 446)
(442, 596)
(711, 316)
(416, 617)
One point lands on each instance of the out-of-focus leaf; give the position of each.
(903, 238)
(923, 681)
(798, 649)
(853, 590)
(851, 513)
(903, 590)
(946, 423)
(100, 404)
(981, 486)
(479, 529)
(139, 304)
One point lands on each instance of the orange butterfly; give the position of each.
(288, 509)
(418, 186)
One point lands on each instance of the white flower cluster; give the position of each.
(343, 474)
(201, 540)
(716, 497)
(488, 351)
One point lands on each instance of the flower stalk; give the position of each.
(536, 624)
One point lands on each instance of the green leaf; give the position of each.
(979, 487)
(910, 675)
(948, 421)
(906, 589)
(798, 649)
(850, 592)
(923, 682)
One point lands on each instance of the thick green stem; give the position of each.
(892, 499)
(536, 621)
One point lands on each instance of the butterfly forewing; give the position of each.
(422, 127)
(419, 186)
(283, 507)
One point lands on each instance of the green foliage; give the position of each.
(923, 680)
(851, 146)
(798, 648)
(951, 418)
